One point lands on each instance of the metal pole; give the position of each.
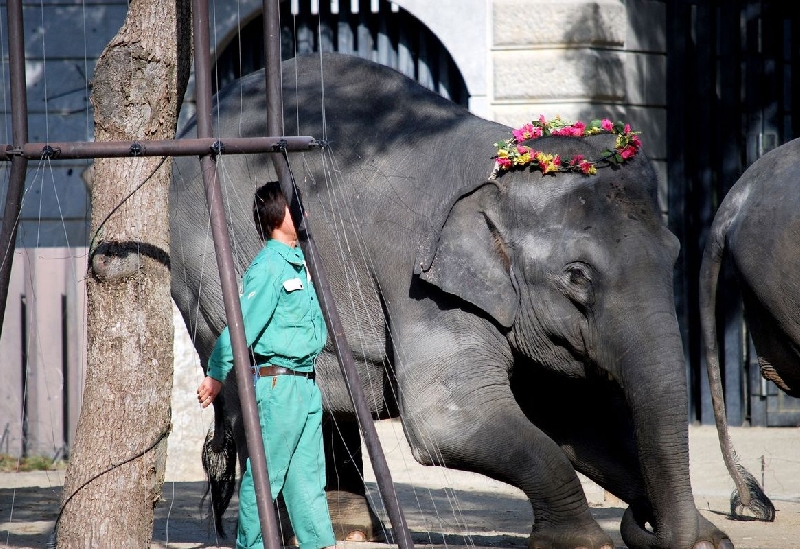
(343, 352)
(233, 311)
(156, 147)
(19, 166)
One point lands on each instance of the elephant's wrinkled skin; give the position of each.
(526, 325)
(758, 226)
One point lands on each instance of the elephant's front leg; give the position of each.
(595, 430)
(458, 411)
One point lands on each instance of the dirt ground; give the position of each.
(450, 508)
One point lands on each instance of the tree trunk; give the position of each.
(116, 468)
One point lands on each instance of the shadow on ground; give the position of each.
(435, 517)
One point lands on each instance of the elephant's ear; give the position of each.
(471, 258)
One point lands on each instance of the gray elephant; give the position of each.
(522, 327)
(758, 226)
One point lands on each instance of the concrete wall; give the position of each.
(43, 351)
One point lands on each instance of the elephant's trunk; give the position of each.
(653, 378)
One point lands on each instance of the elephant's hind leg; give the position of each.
(352, 516)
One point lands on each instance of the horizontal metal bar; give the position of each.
(165, 147)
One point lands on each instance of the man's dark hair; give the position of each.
(269, 207)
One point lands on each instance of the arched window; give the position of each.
(373, 29)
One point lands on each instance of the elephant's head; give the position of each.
(578, 271)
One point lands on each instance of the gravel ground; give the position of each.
(447, 507)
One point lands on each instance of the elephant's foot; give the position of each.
(352, 517)
(711, 536)
(590, 536)
(708, 536)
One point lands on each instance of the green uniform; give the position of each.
(284, 326)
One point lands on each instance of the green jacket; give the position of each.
(283, 322)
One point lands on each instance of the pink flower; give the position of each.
(627, 128)
(607, 125)
(573, 130)
(504, 162)
(635, 141)
(628, 152)
(525, 132)
(576, 159)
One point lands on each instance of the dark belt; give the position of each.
(269, 370)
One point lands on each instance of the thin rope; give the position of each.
(44, 75)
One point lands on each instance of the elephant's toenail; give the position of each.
(356, 535)
(704, 545)
(726, 544)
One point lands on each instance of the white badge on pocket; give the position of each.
(293, 284)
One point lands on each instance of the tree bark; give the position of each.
(116, 468)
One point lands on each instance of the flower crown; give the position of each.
(511, 154)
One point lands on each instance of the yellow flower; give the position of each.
(546, 163)
(523, 159)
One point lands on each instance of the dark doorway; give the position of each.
(732, 96)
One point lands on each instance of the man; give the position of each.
(285, 331)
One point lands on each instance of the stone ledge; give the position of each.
(559, 75)
(525, 23)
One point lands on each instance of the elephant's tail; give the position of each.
(219, 463)
(747, 493)
(760, 505)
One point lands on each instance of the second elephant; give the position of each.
(757, 226)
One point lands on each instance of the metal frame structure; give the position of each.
(208, 148)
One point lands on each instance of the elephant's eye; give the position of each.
(579, 274)
(577, 284)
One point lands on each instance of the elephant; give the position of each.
(757, 226)
(521, 326)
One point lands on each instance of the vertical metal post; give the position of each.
(19, 164)
(230, 294)
(274, 88)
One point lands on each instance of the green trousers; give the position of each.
(290, 411)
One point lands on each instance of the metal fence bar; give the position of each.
(227, 273)
(164, 147)
(19, 166)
